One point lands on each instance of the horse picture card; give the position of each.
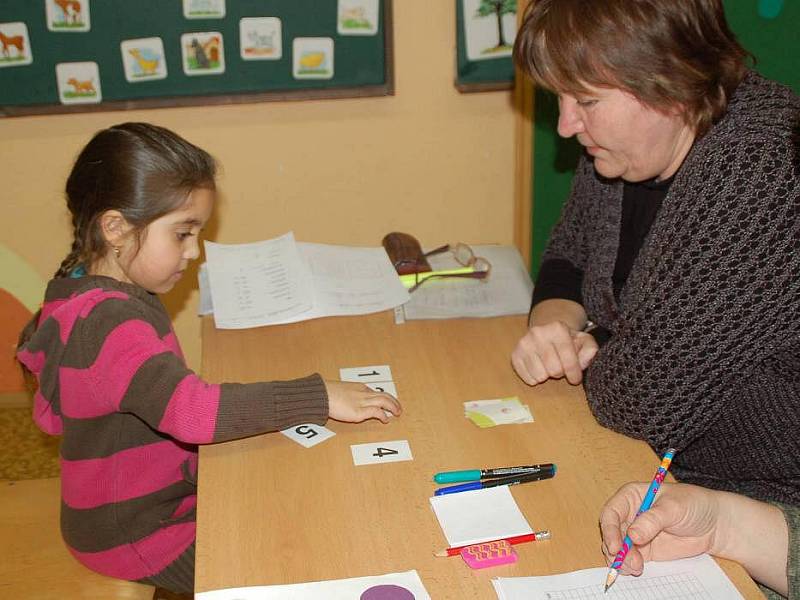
(203, 53)
(260, 38)
(68, 15)
(143, 59)
(78, 83)
(15, 45)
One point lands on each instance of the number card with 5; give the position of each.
(308, 434)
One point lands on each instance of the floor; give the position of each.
(25, 451)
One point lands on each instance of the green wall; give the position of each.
(769, 29)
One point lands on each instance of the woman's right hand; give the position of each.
(552, 351)
(681, 523)
(355, 402)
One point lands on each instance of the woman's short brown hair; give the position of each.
(666, 53)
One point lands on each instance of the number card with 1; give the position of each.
(308, 434)
(369, 374)
(381, 452)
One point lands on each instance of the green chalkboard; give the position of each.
(186, 60)
(495, 18)
(766, 28)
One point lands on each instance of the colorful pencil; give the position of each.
(647, 502)
(515, 539)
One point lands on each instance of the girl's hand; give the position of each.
(355, 402)
(682, 522)
(553, 350)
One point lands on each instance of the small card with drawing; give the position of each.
(203, 53)
(143, 59)
(260, 38)
(204, 9)
(16, 45)
(78, 83)
(312, 58)
(357, 17)
(68, 15)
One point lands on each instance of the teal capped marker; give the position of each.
(478, 474)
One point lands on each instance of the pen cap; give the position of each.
(455, 476)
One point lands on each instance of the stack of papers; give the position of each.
(501, 411)
(282, 281)
(507, 291)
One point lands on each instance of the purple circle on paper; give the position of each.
(387, 592)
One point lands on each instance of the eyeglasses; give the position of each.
(472, 267)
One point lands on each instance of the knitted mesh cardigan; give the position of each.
(705, 347)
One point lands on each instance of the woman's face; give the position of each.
(626, 138)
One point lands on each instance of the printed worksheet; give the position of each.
(282, 281)
(393, 586)
(698, 578)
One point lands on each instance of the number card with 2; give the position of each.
(381, 452)
(308, 434)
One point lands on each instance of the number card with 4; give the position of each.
(381, 452)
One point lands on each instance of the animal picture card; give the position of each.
(357, 17)
(260, 38)
(16, 45)
(143, 59)
(203, 53)
(68, 15)
(204, 9)
(489, 28)
(392, 586)
(312, 58)
(78, 83)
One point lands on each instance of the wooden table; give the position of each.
(273, 512)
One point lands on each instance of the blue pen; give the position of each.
(479, 485)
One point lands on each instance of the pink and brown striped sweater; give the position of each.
(113, 382)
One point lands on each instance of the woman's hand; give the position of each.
(355, 402)
(682, 522)
(552, 351)
(554, 345)
(687, 520)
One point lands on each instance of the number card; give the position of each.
(383, 386)
(381, 452)
(308, 434)
(369, 374)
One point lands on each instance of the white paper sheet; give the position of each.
(698, 578)
(263, 284)
(340, 589)
(259, 283)
(507, 291)
(479, 516)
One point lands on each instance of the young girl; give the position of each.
(111, 375)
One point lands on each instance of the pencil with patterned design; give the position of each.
(647, 502)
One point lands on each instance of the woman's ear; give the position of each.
(114, 227)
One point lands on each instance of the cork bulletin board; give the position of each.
(60, 56)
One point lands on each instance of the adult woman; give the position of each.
(679, 240)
